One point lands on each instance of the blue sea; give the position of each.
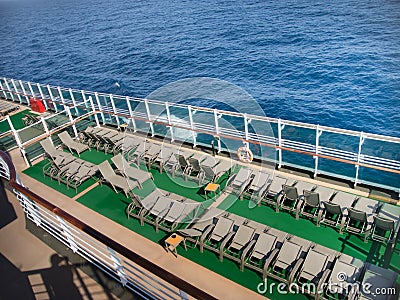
(334, 63)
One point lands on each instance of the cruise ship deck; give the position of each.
(109, 224)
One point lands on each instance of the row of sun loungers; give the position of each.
(287, 258)
(163, 210)
(6, 108)
(348, 212)
(66, 168)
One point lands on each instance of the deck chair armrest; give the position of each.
(269, 261)
(245, 252)
(205, 235)
(299, 206)
(323, 279)
(295, 270)
(223, 244)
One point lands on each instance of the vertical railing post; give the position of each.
(8, 88)
(114, 109)
(246, 129)
(24, 91)
(18, 141)
(118, 266)
(16, 91)
(73, 101)
(52, 98)
(2, 89)
(61, 97)
(30, 88)
(318, 133)
(45, 127)
(71, 120)
(190, 112)
(96, 95)
(94, 111)
(216, 117)
(30, 207)
(360, 143)
(171, 128)
(146, 105)
(68, 235)
(42, 96)
(128, 103)
(280, 128)
(85, 99)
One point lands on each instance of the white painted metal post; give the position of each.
(4, 92)
(118, 266)
(73, 101)
(171, 128)
(360, 143)
(30, 207)
(61, 97)
(190, 112)
(46, 129)
(30, 88)
(24, 91)
(84, 99)
(52, 98)
(280, 128)
(18, 141)
(246, 130)
(8, 88)
(68, 235)
(42, 96)
(71, 119)
(318, 133)
(96, 95)
(16, 90)
(216, 117)
(146, 104)
(114, 109)
(94, 110)
(128, 102)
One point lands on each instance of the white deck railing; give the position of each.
(322, 149)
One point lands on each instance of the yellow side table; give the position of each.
(172, 242)
(211, 187)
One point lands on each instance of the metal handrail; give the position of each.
(99, 236)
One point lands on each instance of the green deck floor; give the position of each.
(105, 201)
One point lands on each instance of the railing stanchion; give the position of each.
(94, 111)
(171, 128)
(52, 98)
(128, 103)
(361, 142)
(42, 96)
(119, 268)
(216, 117)
(71, 120)
(73, 101)
(280, 128)
(114, 109)
(18, 141)
(10, 90)
(190, 112)
(4, 92)
(146, 105)
(96, 95)
(68, 235)
(318, 133)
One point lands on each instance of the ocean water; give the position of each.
(334, 63)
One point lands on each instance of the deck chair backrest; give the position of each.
(289, 253)
(332, 208)
(195, 164)
(357, 215)
(208, 172)
(181, 160)
(223, 227)
(118, 161)
(106, 170)
(311, 198)
(243, 175)
(243, 235)
(65, 138)
(49, 148)
(290, 192)
(384, 224)
(265, 243)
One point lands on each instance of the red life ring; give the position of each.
(245, 154)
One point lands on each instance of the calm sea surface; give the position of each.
(333, 64)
